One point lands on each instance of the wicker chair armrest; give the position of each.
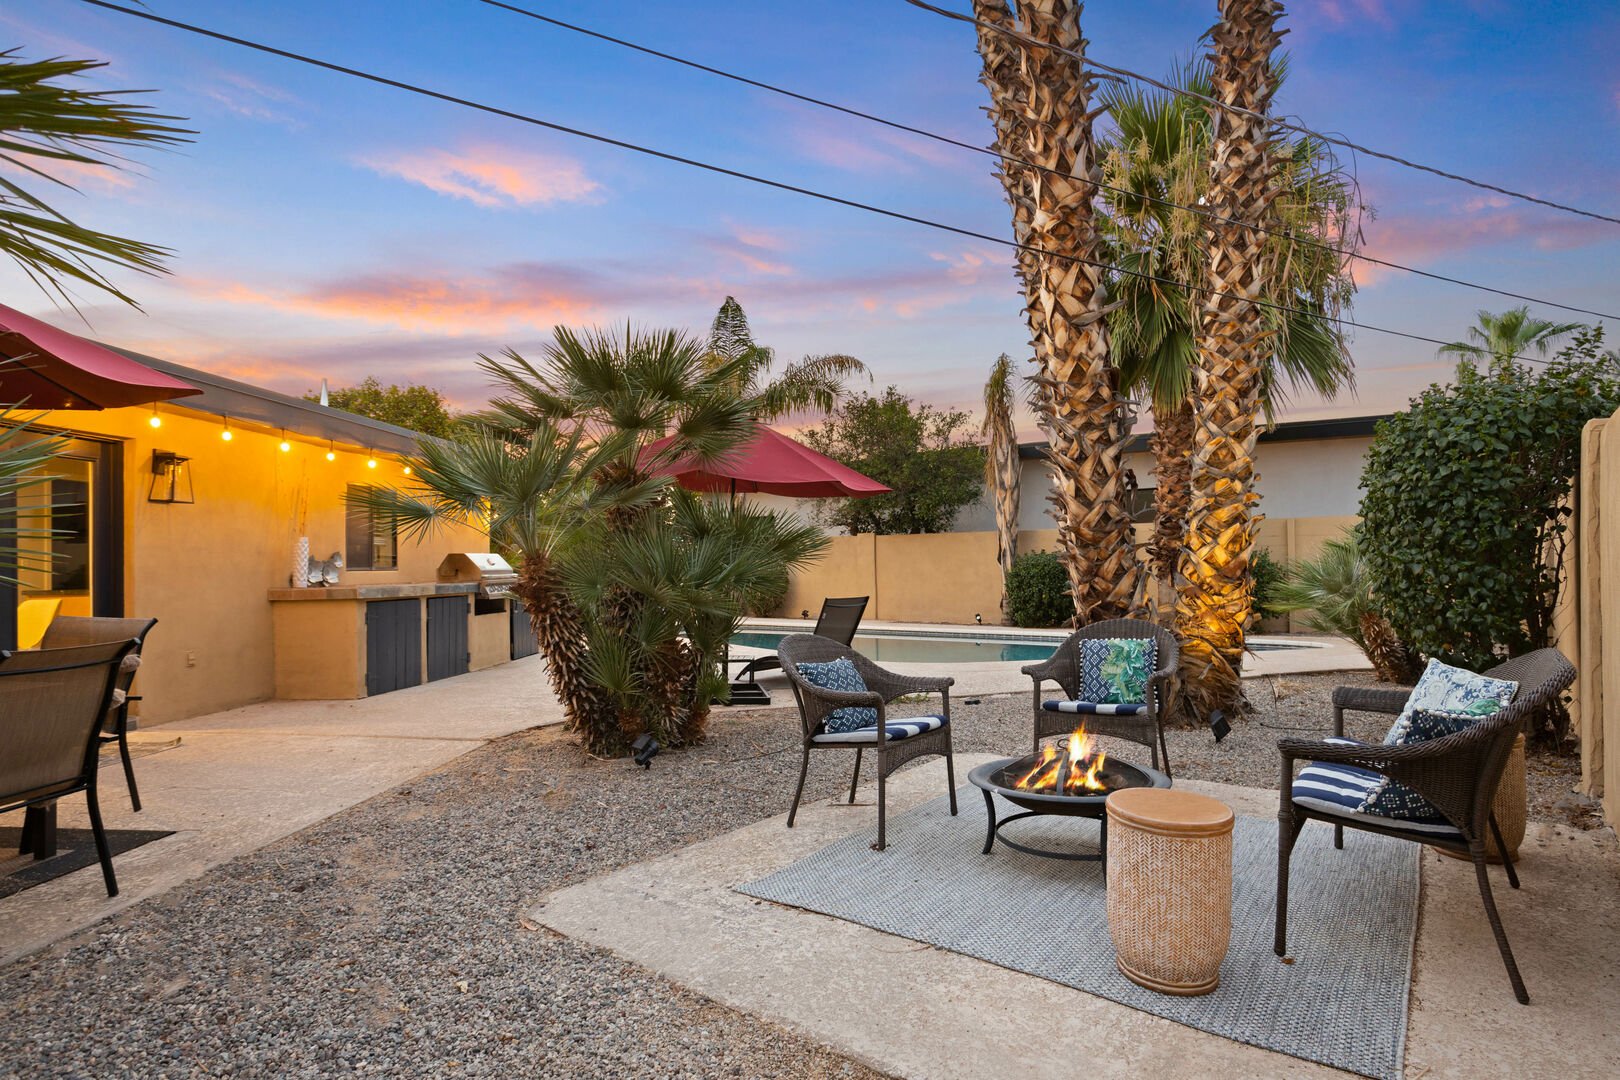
(840, 698)
(893, 685)
(1060, 667)
(1377, 758)
(1379, 699)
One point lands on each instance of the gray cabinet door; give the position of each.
(446, 637)
(393, 645)
(523, 643)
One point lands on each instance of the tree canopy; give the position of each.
(923, 453)
(415, 406)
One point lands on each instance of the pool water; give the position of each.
(940, 649)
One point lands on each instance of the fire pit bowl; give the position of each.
(1062, 796)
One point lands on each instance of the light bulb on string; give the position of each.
(226, 434)
(331, 451)
(155, 420)
(285, 445)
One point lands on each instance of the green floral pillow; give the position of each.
(1115, 671)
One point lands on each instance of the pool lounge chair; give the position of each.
(839, 619)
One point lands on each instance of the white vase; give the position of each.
(300, 562)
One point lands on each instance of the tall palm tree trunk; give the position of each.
(1001, 464)
(1172, 448)
(1216, 590)
(558, 630)
(1045, 100)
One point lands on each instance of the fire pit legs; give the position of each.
(1098, 856)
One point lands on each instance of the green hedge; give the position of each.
(1038, 591)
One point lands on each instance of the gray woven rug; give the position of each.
(1352, 920)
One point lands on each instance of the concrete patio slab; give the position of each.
(241, 779)
(921, 1012)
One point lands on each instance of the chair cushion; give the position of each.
(893, 731)
(1115, 671)
(1094, 708)
(842, 675)
(1354, 793)
(1443, 688)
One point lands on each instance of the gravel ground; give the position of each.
(390, 940)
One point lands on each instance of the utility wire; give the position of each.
(1026, 40)
(1008, 159)
(779, 185)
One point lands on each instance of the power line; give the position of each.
(1124, 73)
(1008, 159)
(779, 185)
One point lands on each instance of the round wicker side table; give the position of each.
(1169, 888)
(1510, 806)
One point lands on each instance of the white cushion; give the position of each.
(894, 731)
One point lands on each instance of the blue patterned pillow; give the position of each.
(1395, 800)
(841, 674)
(1115, 671)
(1447, 689)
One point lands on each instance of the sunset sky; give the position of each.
(329, 227)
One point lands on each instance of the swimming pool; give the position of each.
(897, 647)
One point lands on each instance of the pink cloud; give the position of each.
(491, 176)
(870, 148)
(1483, 221)
(754, 248)
(106, 179)
(1344, 12)
(252, 99)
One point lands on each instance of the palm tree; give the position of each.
(1334, 590)
(1512, 333)
(1215, 601)
(46, 124)
(1001, 467)
(815, 383)
(1045, 98)
(1158, 156)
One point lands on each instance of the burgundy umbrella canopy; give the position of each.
(769, 463)
(53, 369)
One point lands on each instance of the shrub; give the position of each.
(1466, 507)
(1268, 576)
(1038, 591)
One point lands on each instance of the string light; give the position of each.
(371, 461)
(331, 451)
(226, 434)
(155, 420)
(285, 445)
(407, 470)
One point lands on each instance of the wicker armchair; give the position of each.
(1458, 774)
(894, 744)
(69, 631)
(1064, 669)
(52, 705)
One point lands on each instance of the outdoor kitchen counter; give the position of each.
(375, 592)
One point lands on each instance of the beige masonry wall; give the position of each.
(950, 577)
(1588, 621)
(203, 569)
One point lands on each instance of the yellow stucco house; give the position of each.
(190, 512)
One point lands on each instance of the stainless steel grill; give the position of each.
(492, 574)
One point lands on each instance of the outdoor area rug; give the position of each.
(1351, 923)
(75, 850)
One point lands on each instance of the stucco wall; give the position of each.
(203, 569)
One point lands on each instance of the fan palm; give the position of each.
(1334, 591)
(815, 383)
(1044, 98)
(1215, 599)
(1512, 333)
(46, 124)
(1158, 157)
(1001, 466)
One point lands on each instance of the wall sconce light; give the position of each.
(331, 450)
(155, 420)
(226, 433)
(171, 478)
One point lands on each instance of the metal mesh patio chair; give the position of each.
(1146, 728)
(1458, 774)
(839, 619)
(52, 706)
(894, 742)
(68, 631)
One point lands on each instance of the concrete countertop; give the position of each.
(376, 592)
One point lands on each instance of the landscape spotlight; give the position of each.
(645, 748)
(1219, 725)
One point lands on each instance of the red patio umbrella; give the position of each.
(53, 369)
(769, 463)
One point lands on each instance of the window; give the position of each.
(369, 543)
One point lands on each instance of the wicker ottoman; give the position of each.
(1169, 888)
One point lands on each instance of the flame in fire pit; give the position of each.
(1071, 769)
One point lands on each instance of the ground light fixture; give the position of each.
(645, 749)
(1219, 725)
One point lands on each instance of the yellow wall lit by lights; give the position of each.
(203, 569)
